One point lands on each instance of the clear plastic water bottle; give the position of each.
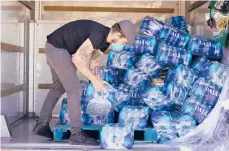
(199, 63)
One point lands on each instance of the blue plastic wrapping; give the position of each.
(175, 92)
(117, 136)
(178, 22)
(151, 26)
(155, 99)
(122, 96)
(64, 118)
(184, 123)
(143, 44)
(170, 75)
(206, 91)
(111, 75)
(206, 47)
(149, 65)
(136, 78)
(199, 63)
(174, 37)
(136, 115)
(196, 108)
(97, 108)
(182, 75)
(173, 56)
(164, 126)
(215, 72)
(120, 59)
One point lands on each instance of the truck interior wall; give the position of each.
(13, 63)
(51, 20)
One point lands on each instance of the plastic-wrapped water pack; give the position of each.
(97, 107)
(178, 22)
(206, 47)
(151, 26)
(196, 108)
(155, 99)
(173, 56)
(206, 91)
(184, 123)
(135, 115)
(136, 78)
(199, 63)
(143, 44)
(122, 96)
(181, 75)
(120, 59)
(175, 92)
(112, 75)
(163, 125)
(215, 72)
(117, 136)
(64, 118)
(149, 65)
(174, 37)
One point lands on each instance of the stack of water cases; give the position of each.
(156, 79)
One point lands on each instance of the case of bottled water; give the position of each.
(174, 37)
(206, 91)
(175, 92)
(111, 75)
(151, 26)
(155, 99)
(143, 44)
(149, 65)
(196, 108)
(215, 72)
(136, 115)
(117, 136)
(206, 47)
(120, 59)
(163, 124)
(64, 118)
(184, 123)
(199, 63)
(178, 22)
(136, 78)
(97, 108)
(173, 56)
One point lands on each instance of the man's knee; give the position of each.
(58, 89)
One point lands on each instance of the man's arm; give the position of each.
(80, 61)
(95, 61)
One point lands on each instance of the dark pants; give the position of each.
(64, 80)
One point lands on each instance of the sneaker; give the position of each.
(81, 138)
(43, 129)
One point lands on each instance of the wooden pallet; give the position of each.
(62, 133)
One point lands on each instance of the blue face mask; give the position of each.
(117, 46)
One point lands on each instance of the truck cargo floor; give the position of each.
(23, 138)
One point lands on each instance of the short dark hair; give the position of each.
(116, 28)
